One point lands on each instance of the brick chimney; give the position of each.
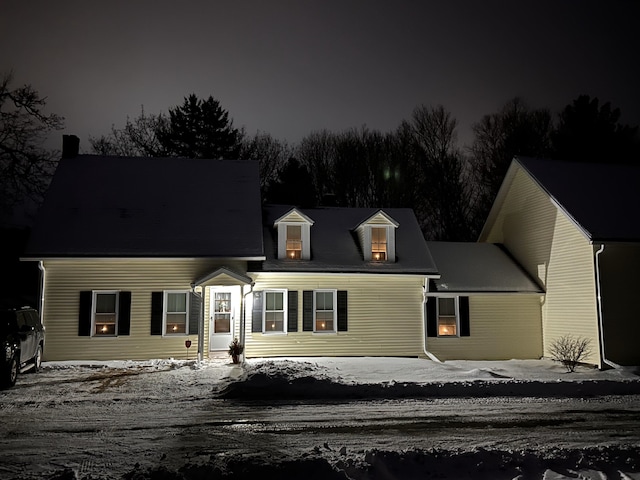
(70, 146)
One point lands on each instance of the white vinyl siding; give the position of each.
(502, 327)
(553, 250)
(66, 278)
(384, 317)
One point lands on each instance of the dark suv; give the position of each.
(22, 337)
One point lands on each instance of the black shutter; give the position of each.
(195, 306)
(124, 313)
(157, 300)
(463, 309)
(84, 316)
(432, 317)
(256, 313)
(292, 311)
(342, 310)
(307, 310)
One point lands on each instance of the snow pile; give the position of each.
(324, 379)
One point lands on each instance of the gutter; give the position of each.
(425, 289)
(599, 310)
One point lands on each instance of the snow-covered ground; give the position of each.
(358, 418)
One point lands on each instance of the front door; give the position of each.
(222, 321)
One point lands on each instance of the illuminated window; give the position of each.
(447, 318)
(175, 315)
(105, 313)
(274, 312)
(378, 243)
(294, 241)
(324, 311)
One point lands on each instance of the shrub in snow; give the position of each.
(570, 350)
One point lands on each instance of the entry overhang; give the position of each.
(215, 277)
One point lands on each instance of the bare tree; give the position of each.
(446, 193)
(270, 152)
(26, 166)
(138, 138)
(515, 130)
(317, 152)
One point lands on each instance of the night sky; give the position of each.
(292, 67)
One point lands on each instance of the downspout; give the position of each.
(600, 316)
(424, 323)
(200, 322)
(243, 320)
(201, 325)
(43, 275)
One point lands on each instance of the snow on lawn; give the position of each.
(348, 378)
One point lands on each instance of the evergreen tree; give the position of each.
(200, 129)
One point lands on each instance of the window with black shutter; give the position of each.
(448, 317)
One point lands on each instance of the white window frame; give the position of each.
(456, 306)
(165, 305)
(335, 311)
(94, 304)
(305, 238)
(284, 312)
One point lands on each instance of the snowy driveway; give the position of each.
(103, 421)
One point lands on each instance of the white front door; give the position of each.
(222, 318)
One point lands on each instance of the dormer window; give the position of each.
(379, 243)
(294, 235)
(377, 236)
(294, 241)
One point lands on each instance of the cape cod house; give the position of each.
(140, 257)
(575, 228)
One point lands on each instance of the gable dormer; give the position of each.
(377, 236)
(294, 235)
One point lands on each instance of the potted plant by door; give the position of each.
(235, 350)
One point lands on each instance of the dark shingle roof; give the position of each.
(335, 247)
(602, 199)
(467, 267)
(170, 207)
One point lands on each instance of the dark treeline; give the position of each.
(418, 165)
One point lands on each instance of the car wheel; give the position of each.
(10, 375)
(37, 359)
